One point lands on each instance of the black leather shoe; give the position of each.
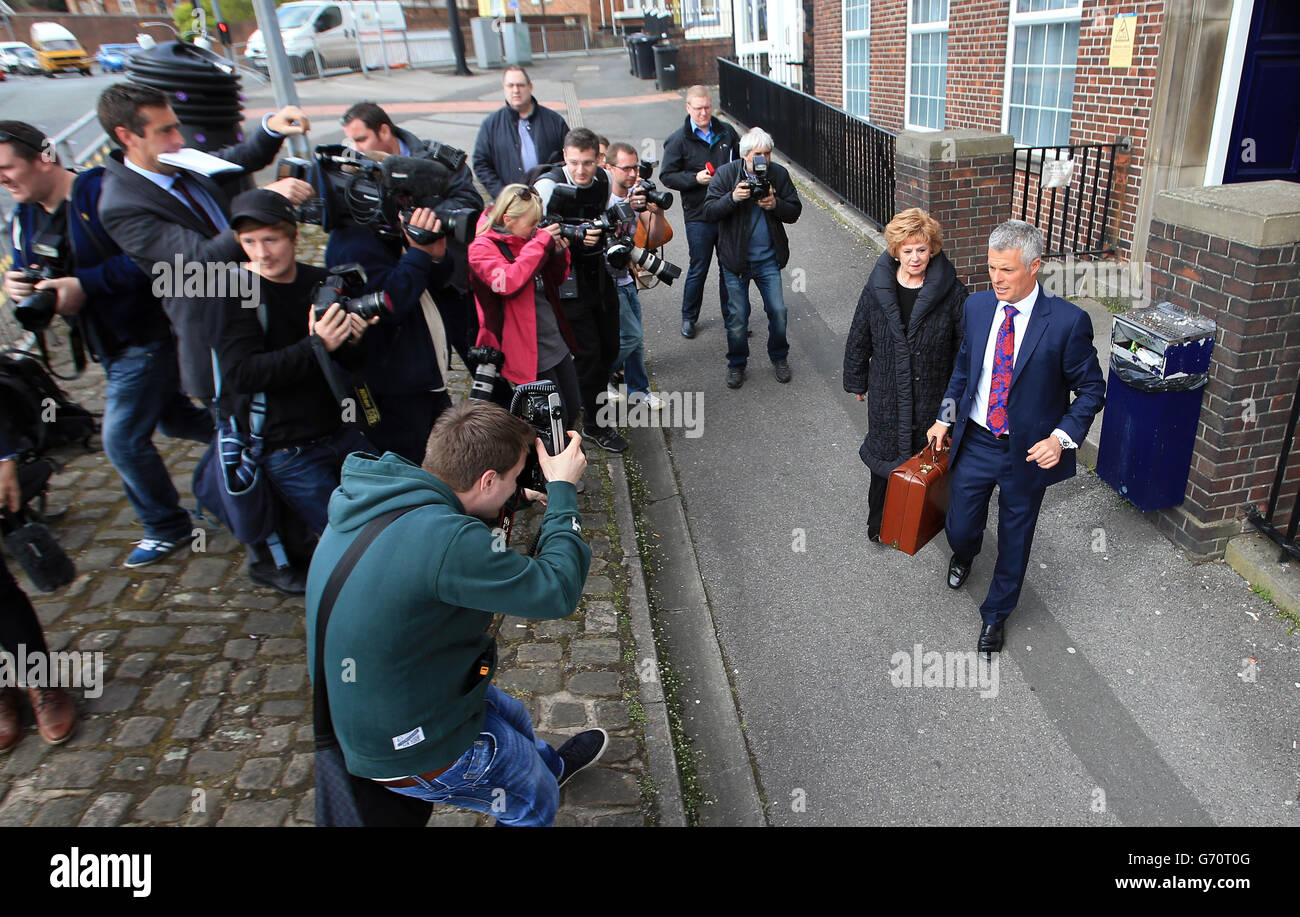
(285, 579)
(782, 371)
(991, 638)
(957, 572)
(688, 329)
(735, 377)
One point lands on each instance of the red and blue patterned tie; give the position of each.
(1004, 358)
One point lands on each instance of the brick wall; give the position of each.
(826, 26)
(1250, 291)
(1108, 103)
(697, 61)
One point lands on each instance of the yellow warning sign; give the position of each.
(1122, 36)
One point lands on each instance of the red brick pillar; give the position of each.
(963, 179)
(1230, 253)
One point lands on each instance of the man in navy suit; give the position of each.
(1009, 412)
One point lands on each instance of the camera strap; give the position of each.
(366, 401)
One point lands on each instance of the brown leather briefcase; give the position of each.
(916, 501)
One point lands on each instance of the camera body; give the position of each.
(538, 405)
(354, 190)
(761, 187)
(35, 312)
(571, 232)
(344, 286)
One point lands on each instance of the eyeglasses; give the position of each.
(631, 168)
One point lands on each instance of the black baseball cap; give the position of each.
(262, 206)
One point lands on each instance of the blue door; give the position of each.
(1266, 131)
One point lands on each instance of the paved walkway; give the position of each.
(205, 717)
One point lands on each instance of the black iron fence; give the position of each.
(1066, 192)
(1286, 478)
(853, 158)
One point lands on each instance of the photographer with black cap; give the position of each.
(277, 350)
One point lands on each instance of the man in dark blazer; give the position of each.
(158, 213)
(517, 137)
(1010, 415)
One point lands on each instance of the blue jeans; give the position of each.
(305, 476)
(143, 394)
(507, 773)
(701, 240)
(767, 277)
(631, 349)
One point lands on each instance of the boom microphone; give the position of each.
(420, 178)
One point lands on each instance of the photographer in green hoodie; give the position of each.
(409, 655)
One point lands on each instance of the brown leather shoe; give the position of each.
(56, 714)
(11, 720)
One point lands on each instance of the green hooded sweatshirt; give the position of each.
(408, 632)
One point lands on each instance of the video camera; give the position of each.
(35, 312)
(354, 190)
(761, 187)
(344, 286)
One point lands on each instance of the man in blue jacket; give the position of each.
(101, 291)
(409, 649)
(1012, 421)
(518, 137)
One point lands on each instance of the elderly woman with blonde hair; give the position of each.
(902, 346)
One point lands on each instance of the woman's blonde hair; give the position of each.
(910, 223)
(512, 203)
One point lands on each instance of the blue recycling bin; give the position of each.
(1159, 364)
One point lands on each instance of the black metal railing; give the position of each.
(1070, 204)
(853, 158)
(1270, 522)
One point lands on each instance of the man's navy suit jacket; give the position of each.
(1056, 357)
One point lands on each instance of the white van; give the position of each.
(330, 27)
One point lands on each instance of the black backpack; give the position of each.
(39, 414)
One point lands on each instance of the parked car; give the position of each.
(28, 62)
(9, 56)
(113, 58)
(58, 50)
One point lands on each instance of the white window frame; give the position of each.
(921, 29)
(126, 6)
(1043, 17)
(845, 37)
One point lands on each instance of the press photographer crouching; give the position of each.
(275, 355)
(107, 300)
(413, 617)
(516, 270)
(365, 204)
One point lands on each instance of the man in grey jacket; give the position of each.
(163, 216)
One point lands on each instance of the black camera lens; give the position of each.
(368, 306)
(35, 312)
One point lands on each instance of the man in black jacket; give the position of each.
(160, 215)
(702, 144)
(752, 245)
(589, 298)
(273, 350)
(518, 137)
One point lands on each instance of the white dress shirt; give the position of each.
(979, 412)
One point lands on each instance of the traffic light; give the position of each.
(223, 31)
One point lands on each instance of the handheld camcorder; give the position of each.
(35, 312)
(354, 190)
(344, 286)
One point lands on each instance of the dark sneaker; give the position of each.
(605, 437)
(735, 376)
(583, 750)
(285, 579)
(782, 370)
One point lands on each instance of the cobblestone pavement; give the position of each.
(205, 715)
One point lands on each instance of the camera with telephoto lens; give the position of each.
(344, 286)
(35, 312)
(538, 405)
(761, 187)
(487, 370)
(621, 250)
(354, 190)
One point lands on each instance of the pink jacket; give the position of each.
(503, 292)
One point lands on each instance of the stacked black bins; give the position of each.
(203, 89)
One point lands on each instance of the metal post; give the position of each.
(457, 39)
(383, 45)
(585, 45)
(320, 66)
(277, 65)
(356, 33)
(410, 59)
(545, 53)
